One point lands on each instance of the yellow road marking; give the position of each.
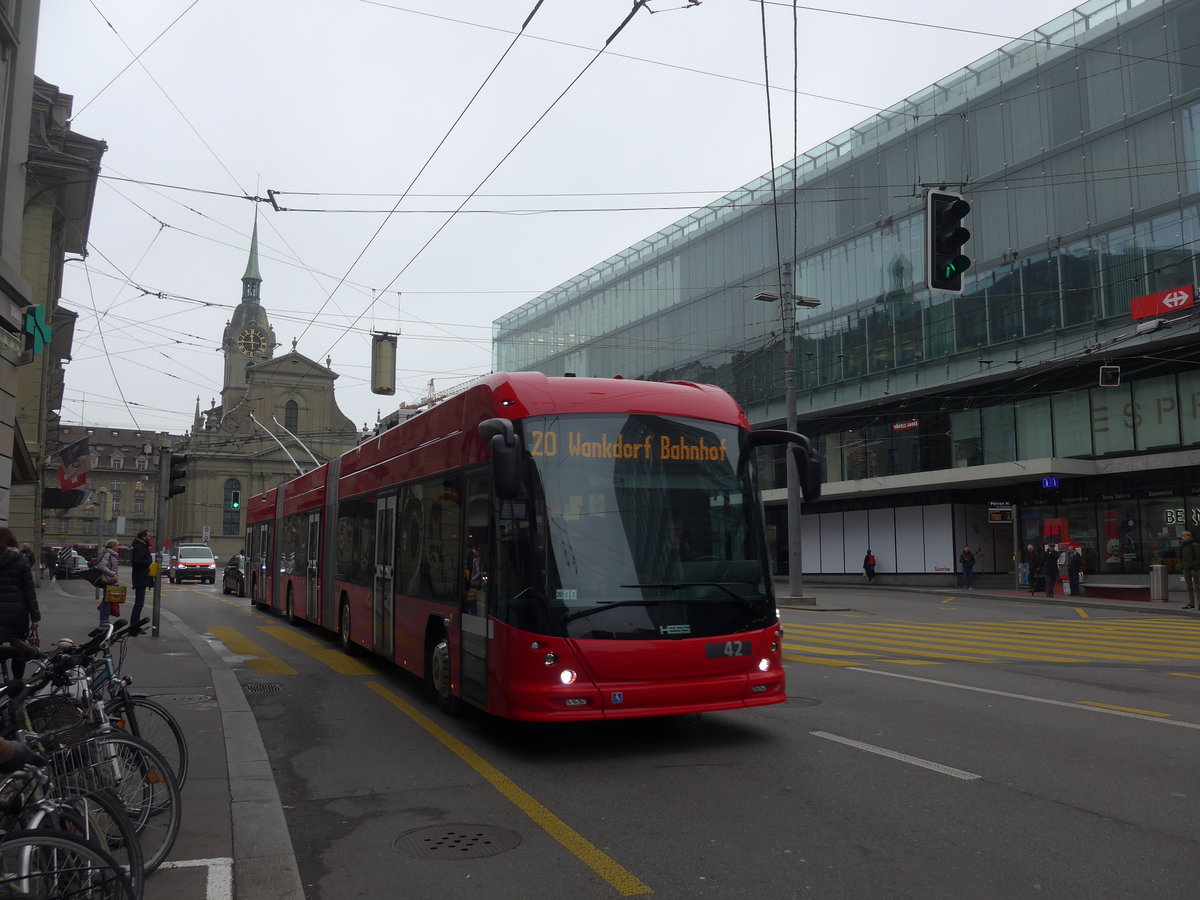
(1082, 613)
(597, 860)
(330, 656)
(948, 600)
(1128, 709)
(1185, 675)
(257, 657)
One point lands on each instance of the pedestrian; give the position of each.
(966, 559)
(1189, 562)
(107, 563)
(1050, 568)
(140, 558)
(1033, 559)
(49, 563)
(19, 612)
(27, 555)
(1074, 570)
(869, 566)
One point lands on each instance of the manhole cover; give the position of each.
(456, 842)
(182, 698)
(262, 687)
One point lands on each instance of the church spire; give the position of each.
(251, 280)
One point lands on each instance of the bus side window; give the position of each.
(477, 545)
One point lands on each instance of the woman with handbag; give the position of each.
(19, 612)
(108, 565)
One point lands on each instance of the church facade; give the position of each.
(278, 416)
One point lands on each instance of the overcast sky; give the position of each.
(337, 105)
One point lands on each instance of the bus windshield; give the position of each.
(652, 527)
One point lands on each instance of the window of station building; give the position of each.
(1082, 530)
(1155, 412)
(1120, 537)
(1072, 420)
(1123, 270)
(1164, 519)
(1040, 277)
(1004, 304)
(881, 335)
(1191, 137)
(1078, 268)
(1189, 407)
(291, 415)
(1169, 255)
(1112, 423)
(939, 326)
(1034, 433)
(970, 318)
(854, 348)
(966, 438)
(999, 434)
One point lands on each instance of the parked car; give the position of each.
(234, 579)
(71, 564)
(193, 562)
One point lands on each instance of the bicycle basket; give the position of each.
(57, 720)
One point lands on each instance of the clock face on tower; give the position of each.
(252, 342)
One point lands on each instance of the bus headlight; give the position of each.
(567, 676)
(550, 659)
(763, 665)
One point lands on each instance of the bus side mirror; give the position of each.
(808, 460)
(506, 457)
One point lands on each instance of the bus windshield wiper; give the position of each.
(592, 610)
(744, 602)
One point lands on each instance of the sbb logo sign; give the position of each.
(1163, 302)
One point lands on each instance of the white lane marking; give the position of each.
(219, 883)
(902, 757)
(1012, 696)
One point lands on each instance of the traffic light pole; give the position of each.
(795, 561)
(160, 518)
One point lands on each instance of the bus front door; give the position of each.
(312, 586)
(476, 631)
(383, 598)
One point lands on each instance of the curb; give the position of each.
(264, 861)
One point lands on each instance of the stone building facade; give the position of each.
(277, 413)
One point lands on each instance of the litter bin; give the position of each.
(1158, 583)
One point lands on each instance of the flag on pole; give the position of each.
(75, 464)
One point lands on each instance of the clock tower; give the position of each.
(249, 338)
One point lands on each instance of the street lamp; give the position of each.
(788, 310)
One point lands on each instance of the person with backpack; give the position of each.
(869, 566)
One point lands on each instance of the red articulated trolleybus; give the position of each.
(544, 549)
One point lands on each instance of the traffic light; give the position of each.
(945, 237)
(235, 500)
(177, 474)
(1110, 376)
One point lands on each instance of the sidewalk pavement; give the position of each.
(234, 841)
(840, 597)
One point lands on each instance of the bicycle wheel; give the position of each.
(56, 866)
(134, 773)
(109, 827)
(149, 720)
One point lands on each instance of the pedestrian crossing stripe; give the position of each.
(1066, 641)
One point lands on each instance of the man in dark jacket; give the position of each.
(18, 598)
(1189, 564)
(1074, 570)
(140, 559)
(1050, 568)
(1034, 559)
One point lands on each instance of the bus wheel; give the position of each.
(439, 677)
(344, 630)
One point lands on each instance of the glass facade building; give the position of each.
(1078, 147)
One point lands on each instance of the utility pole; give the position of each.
(795, 563)
(160, 528)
